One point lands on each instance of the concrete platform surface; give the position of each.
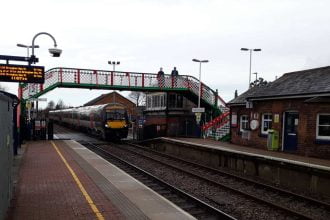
(316, 163)
(65, 180)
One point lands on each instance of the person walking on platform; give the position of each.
(160, 77)
(174, 75)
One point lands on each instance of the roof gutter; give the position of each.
(287, 96)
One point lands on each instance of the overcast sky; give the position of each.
(147, 34)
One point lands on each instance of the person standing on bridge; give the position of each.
(174, 75)
(160, 77)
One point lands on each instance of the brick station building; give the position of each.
(296, 105)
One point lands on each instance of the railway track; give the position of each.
(292, 204)
(189, 203)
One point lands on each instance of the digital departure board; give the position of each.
(21, 73)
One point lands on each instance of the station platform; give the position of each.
(316, 163)
(64, 180)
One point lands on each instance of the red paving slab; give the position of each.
(47, 190)
(275, 154)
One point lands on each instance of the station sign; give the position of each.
(38, 99)
(22, 73)
(198, 110)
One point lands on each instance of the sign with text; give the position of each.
(198, 110)
(38, 99)
(21, 73)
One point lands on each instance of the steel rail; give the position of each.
(218, 214)
(222, 172)
(262, 201)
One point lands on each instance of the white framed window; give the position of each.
(266, 122)
(156, 101)
(149, 102)
(244, 123)
(323, 126)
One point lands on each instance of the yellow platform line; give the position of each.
(79, 184)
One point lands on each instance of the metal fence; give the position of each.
(7, 107)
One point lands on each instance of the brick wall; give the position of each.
(306, 127)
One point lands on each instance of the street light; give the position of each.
(27, 47)
(114, 63)
(200, 83)
(28, 55)
(247, 49)
(54, 51)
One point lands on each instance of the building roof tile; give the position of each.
(306, 82)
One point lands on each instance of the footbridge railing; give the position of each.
(102, 79)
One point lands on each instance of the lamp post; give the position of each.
(247, 49)
(27, 47)
(114, 63)
(200, 83)
(28, 55)
(54, 51)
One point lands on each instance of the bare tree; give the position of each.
(51, 105)
(259, 82)
(138, 97)
(60, 104)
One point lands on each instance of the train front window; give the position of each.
(116, 115)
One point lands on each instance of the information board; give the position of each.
(198, 110)
(22, 73)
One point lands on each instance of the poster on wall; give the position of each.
(234, 119)
(254, 124)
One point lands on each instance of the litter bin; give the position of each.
(272, 139)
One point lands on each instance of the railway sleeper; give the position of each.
(164, 192)
(170, 196)
(188, 206)
(157, 188)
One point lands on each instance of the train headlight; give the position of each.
(106, 125)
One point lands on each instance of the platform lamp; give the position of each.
(27, 47)
(55, 52)
(200, 86)
(114, 63)
(200, 83)
(248, 49)
(28, 55)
